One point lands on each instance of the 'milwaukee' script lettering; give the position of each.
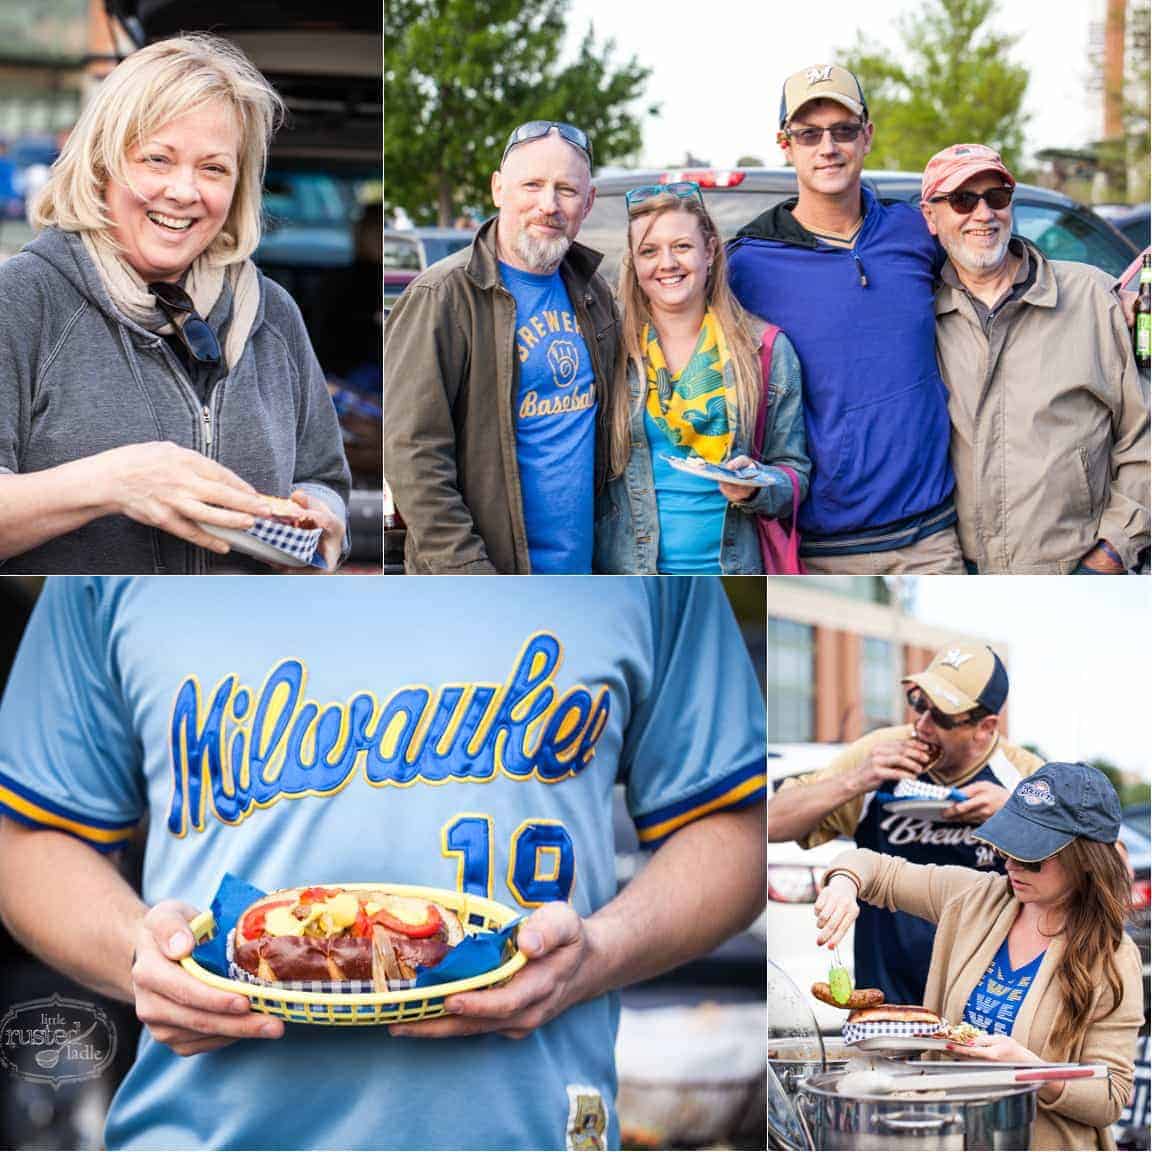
(245, 749)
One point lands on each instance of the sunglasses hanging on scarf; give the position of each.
(194, 331)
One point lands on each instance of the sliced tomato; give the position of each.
(430, 927)
(316, 895)
(253, 923)
(362, 926)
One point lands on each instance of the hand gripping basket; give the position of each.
(477, 914)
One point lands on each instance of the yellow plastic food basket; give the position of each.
(476, 914)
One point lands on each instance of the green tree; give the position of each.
(951, 83)
(459, 75)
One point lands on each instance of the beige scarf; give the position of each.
(204, 283)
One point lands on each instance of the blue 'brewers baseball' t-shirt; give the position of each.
(446, 732)
(555, 423)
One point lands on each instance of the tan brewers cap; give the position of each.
(962, 677)
(821, 82)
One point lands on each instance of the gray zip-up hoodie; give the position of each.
(77, 378)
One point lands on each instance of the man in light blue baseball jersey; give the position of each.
(446, 732)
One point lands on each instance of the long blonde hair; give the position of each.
(737, 325)
(149, 89)
(1094, 913)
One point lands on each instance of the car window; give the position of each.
(1065, 235)
(304, 198)
(437, 247)
(402, 253)
(1139, 232)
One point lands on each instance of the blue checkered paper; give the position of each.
(298, 542)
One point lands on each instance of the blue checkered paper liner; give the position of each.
(297, 542)
(868, 1030)
(921, 789)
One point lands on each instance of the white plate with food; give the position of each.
(902, 1044)
(750, 476)
(918, 806)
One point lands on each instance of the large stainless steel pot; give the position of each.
(960, 1119)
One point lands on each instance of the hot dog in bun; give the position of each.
(335, 934)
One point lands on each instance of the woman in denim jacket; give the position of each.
(694, 386)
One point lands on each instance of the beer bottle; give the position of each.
(1144, 315)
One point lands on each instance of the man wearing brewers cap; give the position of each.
(953, 744)
(851, 280)
(1050, 427)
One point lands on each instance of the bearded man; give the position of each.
(1049, 421)
(499, 365)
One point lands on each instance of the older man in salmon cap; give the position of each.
(1049, 422)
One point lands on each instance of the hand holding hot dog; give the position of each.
(177, 1009)
(892, 760)
(555, 941)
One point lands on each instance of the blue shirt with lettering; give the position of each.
(437, 731)
(555, 423)
(996, 1000)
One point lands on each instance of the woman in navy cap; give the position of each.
(1036, 960)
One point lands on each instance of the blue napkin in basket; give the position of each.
(473, 956)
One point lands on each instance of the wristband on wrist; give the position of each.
(832, 872)
(1111, 553)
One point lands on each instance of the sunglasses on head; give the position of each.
(537, 129)
(919, 703)
(683, 189)
(810, 137)
(964, 202)
(1026, 865)
(194, 331)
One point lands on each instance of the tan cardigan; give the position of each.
(973, 911)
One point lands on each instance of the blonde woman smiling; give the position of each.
(152, 379)
(695, 383)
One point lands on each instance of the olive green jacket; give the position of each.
(1049, 422)
(451, 375)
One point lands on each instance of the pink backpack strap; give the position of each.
(767, 342)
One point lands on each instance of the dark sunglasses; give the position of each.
(684, 189)
(920, 704)
(964, 202)
(1026, 865)
(536, 129)
(810, 137)
(195, 332)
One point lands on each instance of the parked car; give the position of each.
(1134, 220)
(323, 168)
(1059, 226)
(794, 876)
(407, 252)
(1134, 832)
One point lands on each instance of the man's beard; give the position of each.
(960, 254)
(541, 255)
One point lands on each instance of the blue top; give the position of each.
(996, 1000)
(893, 949)
(448, 732)
(690, 510)
(555, 423)
(875, 407)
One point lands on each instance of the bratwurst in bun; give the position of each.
(333, 934)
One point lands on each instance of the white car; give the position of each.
(794, 875)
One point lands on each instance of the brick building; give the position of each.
(837, 647)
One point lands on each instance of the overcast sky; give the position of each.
(718, 65)
(1080, 651)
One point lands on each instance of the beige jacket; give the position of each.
(1008, 763)
(1049, 423)
(973, 911)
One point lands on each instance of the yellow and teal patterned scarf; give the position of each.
(691, 409)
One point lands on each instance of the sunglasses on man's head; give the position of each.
(195, 332)
(810, 137)
(1026, 865)
(919, 703)
(537, 129)
(683, 189)
(964, 202)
